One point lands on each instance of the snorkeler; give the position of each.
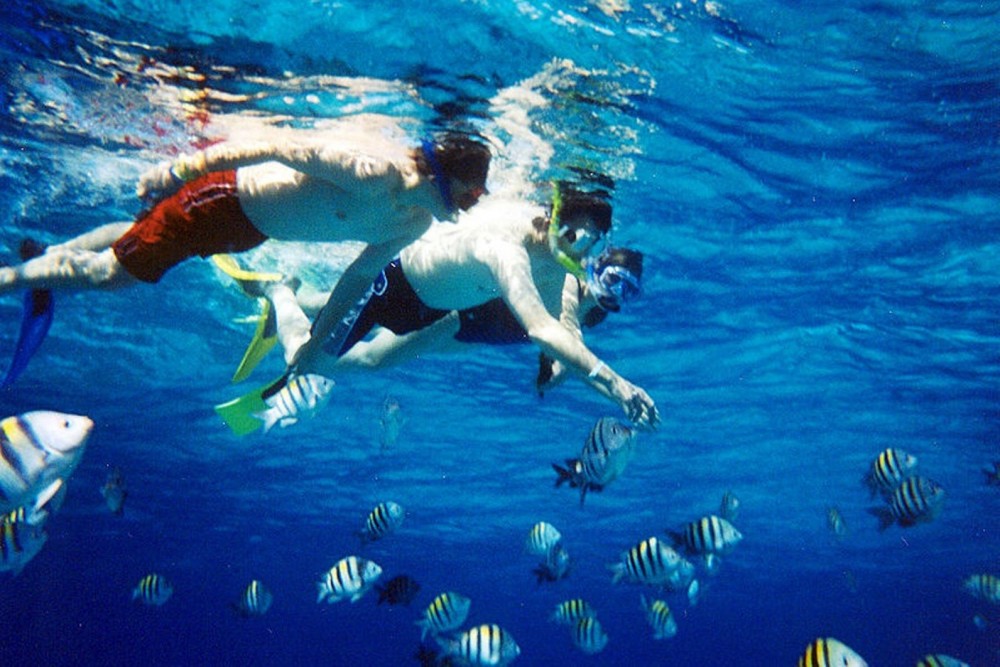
(232, 197)
(513, 250)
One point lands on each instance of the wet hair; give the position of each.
(460, 157)
(593, 205)
(623, 257)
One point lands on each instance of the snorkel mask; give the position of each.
(444, 186)
(580, 240)
(613, 286)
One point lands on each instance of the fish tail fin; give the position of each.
(583, 493)
(321, 591)
(884, 516)
(617, 572)
(424, 627)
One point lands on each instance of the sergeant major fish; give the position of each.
(830, 652)
(115, 491)
(541, 539)
(888, 470)
(660, 618)
(649, 562)
(153, 590)
(384, 518)
(571, 611)
(604, 456)
(710, 534)
(589, 636)
(983, 586)
(445, 613)
(916, 500)
(20, 541)
(940, 660)
(486, 644)
(301, 395)
(350, 577)
(254, 601)
(38, 451)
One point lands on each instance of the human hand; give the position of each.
(640, 408)
(167, 177)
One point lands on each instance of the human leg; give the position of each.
(66, 268)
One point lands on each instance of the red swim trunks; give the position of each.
(203, 218)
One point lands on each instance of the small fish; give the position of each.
(888, 471)
(980, 622)
(649, 562)
(835, 522)
(993, 476)
(916, 500)
(555, 566)
(401, 589)
(391, 421)
(983, 586)
(829, 652)
(681, 577)
(20, 541)
(38, 450)
(542, 538)
(153, 590)
(940, 660)
(729, 509)
(303, 395)
(660, 618)
(589, 636)
(445, 613)
(384, 519)
(604, 456)
(712, 563)
(486, 644)
(694, 592)
(710, 534)
(255, 600)
(571, 611)
(350, 577)
(115, 492)
(431, 657)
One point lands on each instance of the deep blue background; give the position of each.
(815, 187)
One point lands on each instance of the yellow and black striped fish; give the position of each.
(385, 518)
(153, 590)
(37, 450)
(889, 469)
(916, 500)
(302, 395)
(486, 644)
(708, 535)
(255, 600)
(649, 562)
(660, 618)
(445, 613)
(829, 652)
(571, 611)
(984, 586)
(20, 541)
(350, 577)
(940, 660)
(541, 539)
(589, 636)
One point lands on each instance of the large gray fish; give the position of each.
(38, 451)
(605, 454)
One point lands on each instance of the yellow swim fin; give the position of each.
(240, 414)
(228, 265)
(265, 336)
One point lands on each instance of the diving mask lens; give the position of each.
(621, 283)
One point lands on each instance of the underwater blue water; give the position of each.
(816, 188)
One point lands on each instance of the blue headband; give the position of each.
(444, 187)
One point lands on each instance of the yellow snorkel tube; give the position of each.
(574, 266)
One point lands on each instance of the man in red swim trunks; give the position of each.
(232, 197)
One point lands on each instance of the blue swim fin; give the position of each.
(35, 320)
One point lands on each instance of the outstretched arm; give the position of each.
(513, 273)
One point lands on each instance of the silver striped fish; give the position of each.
(350, 577)
(153, 589)
(940, 660)
(589, 636)
(829, 652)
(889, 469)
(708, 535)
(541, 539)
(486, 644)
(916, 500)
(649, 562)
(571, 611)
(37, 451)
(445, 613)
(255, 600)
(20, 541)
(605, 454)
(302, 395)
(985, 586)
(660, 618)
(385, 518)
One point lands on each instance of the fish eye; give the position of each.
(66, 423)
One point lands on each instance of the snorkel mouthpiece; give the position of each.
(444, 187)
(574, 266)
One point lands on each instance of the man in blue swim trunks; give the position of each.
(514, 251)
